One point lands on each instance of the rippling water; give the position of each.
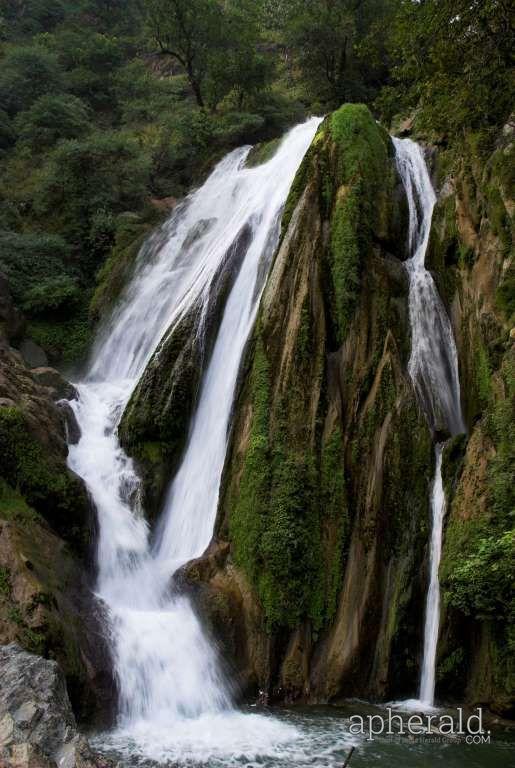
(315, 737)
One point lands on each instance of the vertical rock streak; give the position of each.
(433, 368)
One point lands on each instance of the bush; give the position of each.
(50, 118)
(33, 264)
(50, 294)
(108, 172)
(27, 73)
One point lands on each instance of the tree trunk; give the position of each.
(195, 85)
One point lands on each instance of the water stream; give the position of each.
(172, 693)
(433, 368)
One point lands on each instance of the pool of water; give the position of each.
(294, 738)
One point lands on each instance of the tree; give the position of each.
(50, 118)
(188, 30)
(235, 64)
(339, 45)
(27, 73)
(454, 61)
(32, 16)
(216, 43)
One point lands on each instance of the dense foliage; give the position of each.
(106, 105)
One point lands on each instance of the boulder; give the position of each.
(32, 354)
(49, 377)
(34, 704)
(71, 425)
(37, 725)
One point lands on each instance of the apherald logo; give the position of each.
(394, 724)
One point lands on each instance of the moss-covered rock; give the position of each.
(43, 480)
(45, 538)
(262, 153)
(325, 490)
(471, 251)
(155, 423)
(131, 232)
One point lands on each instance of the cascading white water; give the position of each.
(427, 679)
(167, 669)
(433, 368)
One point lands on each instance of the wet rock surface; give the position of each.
(37, 725)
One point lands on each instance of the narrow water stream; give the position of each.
(433, 367)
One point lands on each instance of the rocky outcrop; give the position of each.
(46, 604)
(471, 253)
(155, 423)
(33, 447)
(315, 583)
(37, 725)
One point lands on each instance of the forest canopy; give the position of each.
(107, 106)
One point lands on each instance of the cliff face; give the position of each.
(45, 522)
(471, 251)
(325, 495)
(316, 582)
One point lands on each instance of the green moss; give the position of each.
(14, 507)
(248, 511)
(33, 641)
(152, 452)
(297, 189)
(262, 153)
(335, 531)
(131, 232)
(452, 464)
(345, 259)
(499, 218)
(505, 295)
(160, 407)
(289, 545)
(467, 256)
(408, 468)
(32, 478)
(502, 426)
(364, 176)
(5, 582)
(66, 339)
(289, 521)
(14, 615)
(450, 669)
(482, 376)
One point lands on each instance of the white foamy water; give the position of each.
(172, 692)
(433, 368)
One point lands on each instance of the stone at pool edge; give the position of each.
(37, 725)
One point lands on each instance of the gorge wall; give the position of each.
(316, 581)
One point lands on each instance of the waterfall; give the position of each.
(166, 667)
(433, 368)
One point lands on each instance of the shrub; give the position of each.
(107, 172)
(50, 118)
(27, 73)
(32, 264)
